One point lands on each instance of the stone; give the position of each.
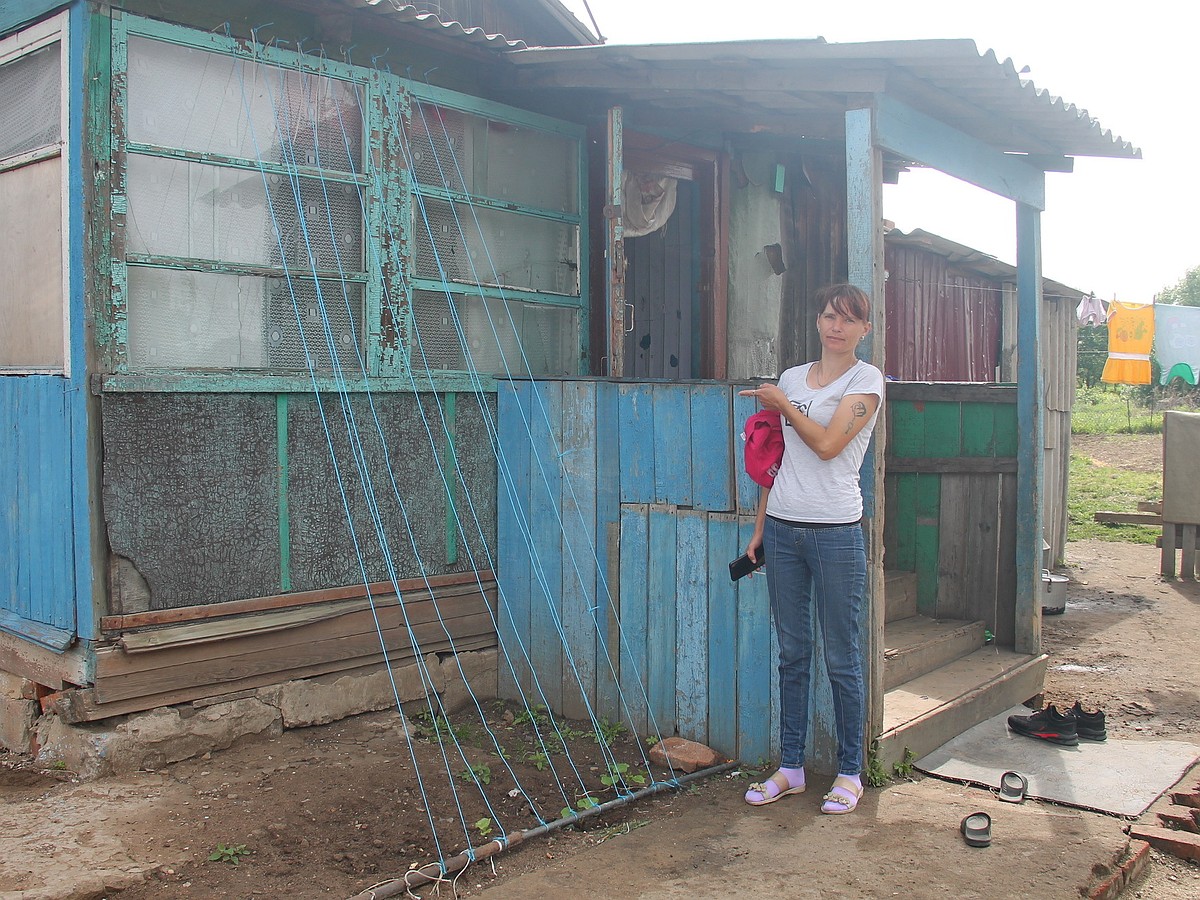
(474, 669)
(683, 755)
(16, 724)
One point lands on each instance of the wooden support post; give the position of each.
(1166, 566)
(1187, 562)
(614, 247)
(1030, 425)
(864, 232)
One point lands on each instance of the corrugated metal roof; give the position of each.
(408, 14)
(974, 260)
(949, 80)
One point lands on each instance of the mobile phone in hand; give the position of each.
(744, 565)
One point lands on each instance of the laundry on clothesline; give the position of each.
(1130, 338)
(1177, 342)
(1091, 311)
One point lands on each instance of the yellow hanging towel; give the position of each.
(1130, 336)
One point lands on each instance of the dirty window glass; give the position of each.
(245, 231)
(32, 283)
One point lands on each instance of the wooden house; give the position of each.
(314, 306)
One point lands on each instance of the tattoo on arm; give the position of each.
(857, 411)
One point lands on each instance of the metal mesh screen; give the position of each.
(486, 158)
(210, 102)
(191, 210)
(499, 248)
(30, 102)
(202, 320)
(502, 336)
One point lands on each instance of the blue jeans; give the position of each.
(828, 565)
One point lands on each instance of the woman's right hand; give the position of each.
(755, 546)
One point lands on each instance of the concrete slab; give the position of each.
(789, 849)
(1120, 777)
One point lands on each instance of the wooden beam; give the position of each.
(160, 617)
(1030, 428)
(1106, 517)
(957, 465)
(916, 136)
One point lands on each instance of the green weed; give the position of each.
(904, 768)
(229, 853)
(607, 732)
(484, 827)
(582, 805)
(875, 775)
(480, 772)
(618, 773)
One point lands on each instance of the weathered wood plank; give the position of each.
(711, 453)
(410, 587)
(954, 521)
(982, 542)
(943, 429)
(262, 655)
(747, 491)
(512, 527)
(661, 619)
(1006, 563)
(545, 527)
(635, 537)
(1187, 554)
(952, 464)
(692, 625)
(722, 635)
(755, 663)
(926, 542)
(906, 423)
(77, 706)
(1108, 517)
(672, 442)
(579, 548)
(636, 421)
(900, 522)
(979, 429)
(950, 392)
(608, 584)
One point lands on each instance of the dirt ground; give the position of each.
(328, 811)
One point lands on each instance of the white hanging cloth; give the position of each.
(647, 201)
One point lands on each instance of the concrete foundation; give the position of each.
(153, 739)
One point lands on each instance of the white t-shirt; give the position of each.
(811, 489)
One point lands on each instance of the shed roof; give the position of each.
(414, 14)
(764, 85)
(974, 260)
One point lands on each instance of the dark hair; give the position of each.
(845, 299)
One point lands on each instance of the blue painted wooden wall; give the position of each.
(620, 506)
(37, 533)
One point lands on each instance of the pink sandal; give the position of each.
(842, 797)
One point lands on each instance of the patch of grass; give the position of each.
(1114, 410)
(1092, 488)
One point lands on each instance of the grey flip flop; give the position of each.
(1013, 786)
(977, 829)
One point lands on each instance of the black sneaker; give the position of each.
(1047, 725)
(1088, 725)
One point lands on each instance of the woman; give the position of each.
(809, 527)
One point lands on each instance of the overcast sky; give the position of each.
(1121, 228)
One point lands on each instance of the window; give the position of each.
(244, 230)
(497, 235)
(265, 232)
(33, 282)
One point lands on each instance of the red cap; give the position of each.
(764, 446)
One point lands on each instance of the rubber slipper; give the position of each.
(977, 829)
(780, 782)
(845, 794)
(1013, 787)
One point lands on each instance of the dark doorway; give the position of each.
(662, 275)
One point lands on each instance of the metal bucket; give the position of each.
(1054, 593)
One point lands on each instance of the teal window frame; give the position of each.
(388, 190)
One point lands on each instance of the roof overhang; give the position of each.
(802, 88)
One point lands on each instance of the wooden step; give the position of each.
(922, 714)
(919, 644)
(900, 595)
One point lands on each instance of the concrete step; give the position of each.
(899, 595)
(918, 645)
(922, 714)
